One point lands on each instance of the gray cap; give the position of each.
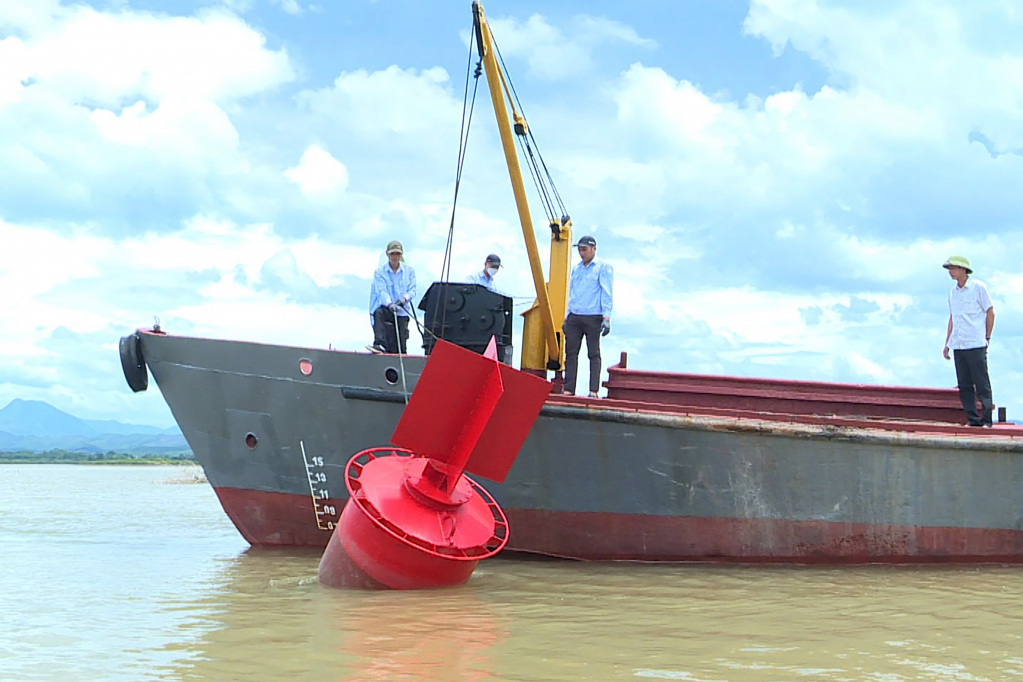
(494, 259)
(586, 241)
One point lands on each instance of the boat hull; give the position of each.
(283, 520)
(273, 428)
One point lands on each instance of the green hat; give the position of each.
(958, 262)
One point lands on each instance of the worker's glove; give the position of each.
(392, 305)
(605, 327)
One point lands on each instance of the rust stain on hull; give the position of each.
(283, 520)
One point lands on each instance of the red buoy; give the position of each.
(413, 519)
(395, 535)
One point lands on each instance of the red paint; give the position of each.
(277, 519)
(392, 535)
(361, 555)
(881, 423)
(782, 396)
(413, 520)
(491, 414)
(660, 538)
(449, 410)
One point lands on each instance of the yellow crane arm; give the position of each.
(495, 82)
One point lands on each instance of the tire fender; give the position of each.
(133, 364)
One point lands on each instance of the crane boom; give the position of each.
(495, 83)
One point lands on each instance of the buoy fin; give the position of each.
(465, 402)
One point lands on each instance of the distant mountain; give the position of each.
(111, 426)
(36, 418)
(120, 443)
(37, 426)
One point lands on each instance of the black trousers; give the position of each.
(384, 331)
(974, 383)
(576, 327)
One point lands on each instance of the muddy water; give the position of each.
(117, 573)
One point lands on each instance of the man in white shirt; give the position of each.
(485, 278)
(971, 320)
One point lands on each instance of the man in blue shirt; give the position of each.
(486, 277)
(971, 319)
(393, 287)
(589, 313)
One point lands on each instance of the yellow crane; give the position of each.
(543, 346)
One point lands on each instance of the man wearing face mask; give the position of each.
(486, 277)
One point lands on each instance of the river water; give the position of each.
(135, 573)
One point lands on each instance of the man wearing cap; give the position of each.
(394, 286)
(971, 320)
(486, 277)
(589, 313)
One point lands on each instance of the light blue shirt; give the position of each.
(589, 291)
(479, 277)
(389, 286)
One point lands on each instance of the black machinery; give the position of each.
(467, 315)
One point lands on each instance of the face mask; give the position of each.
(492, 272)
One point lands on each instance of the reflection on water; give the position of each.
(417, 636)
(131, 578)
(272, 601)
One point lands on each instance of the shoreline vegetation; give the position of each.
(71, 457)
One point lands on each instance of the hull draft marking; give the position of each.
(324, 512)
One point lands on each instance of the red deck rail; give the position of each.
(781, 396)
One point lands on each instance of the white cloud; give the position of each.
(27, 16)
(394, 100)
(958, 61)
(238, 6)
(318, 173)
(289, 6)
(186, 129)
(202, 280)
(121, 118)
(796, 234)
(770, 152)
(97, 58)
(14, 70)
(556, 54)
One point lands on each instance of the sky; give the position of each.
(775, 182)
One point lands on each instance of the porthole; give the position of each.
(251, 440)
(305, 366)
(391, 375)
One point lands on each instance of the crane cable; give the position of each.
(463, 144)
(542, 180)
(545, 186)
(468, 106)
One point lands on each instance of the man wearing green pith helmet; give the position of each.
(390, 296)
(971, 319)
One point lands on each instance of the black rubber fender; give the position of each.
(133, 364)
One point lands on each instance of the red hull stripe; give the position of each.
(278, 519)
